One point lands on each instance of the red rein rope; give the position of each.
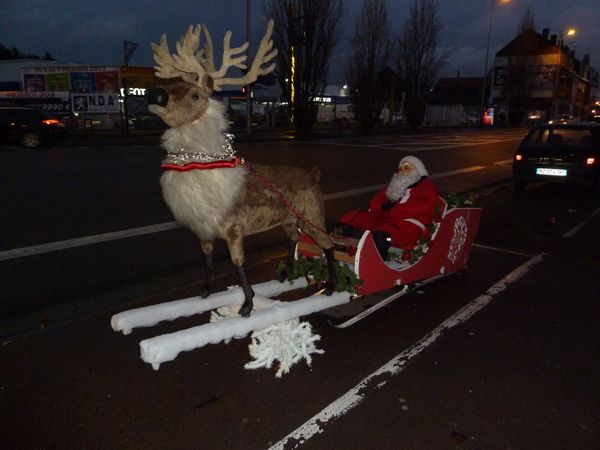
(281, 196)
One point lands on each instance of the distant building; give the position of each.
(454, 102)
(101, 97)
(543, 70)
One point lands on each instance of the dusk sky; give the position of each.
(92, 33)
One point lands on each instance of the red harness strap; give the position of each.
(202, 165)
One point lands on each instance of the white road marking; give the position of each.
(105, 237)
(503, 162)
(381, 376)
(376, 187)
(422, 146)
(87, 240)
(579, 226)
(503, 250)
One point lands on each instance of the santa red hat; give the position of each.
(416, 163)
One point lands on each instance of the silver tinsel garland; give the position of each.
(182, 157)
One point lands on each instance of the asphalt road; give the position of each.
(503, 355)
(68, 209)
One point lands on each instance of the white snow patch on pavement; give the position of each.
(285, 343)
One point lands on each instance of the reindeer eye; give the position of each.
(195, 97)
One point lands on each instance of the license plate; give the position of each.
(551, 172)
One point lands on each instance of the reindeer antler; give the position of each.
(191, 64)
(206, 58)
(264, 54)
(182, 64)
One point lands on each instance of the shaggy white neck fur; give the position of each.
(200, 199)
(202, 135)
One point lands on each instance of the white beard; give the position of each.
(400, 183)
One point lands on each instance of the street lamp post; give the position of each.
(570, 32)
(487, 55)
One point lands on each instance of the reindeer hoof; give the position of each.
(328, 288)
(245, 310)
(282, 276)
(205, 292)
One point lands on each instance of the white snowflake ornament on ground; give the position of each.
(288, 342)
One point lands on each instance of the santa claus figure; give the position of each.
(399, 213)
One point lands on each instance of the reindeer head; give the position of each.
(188, 100)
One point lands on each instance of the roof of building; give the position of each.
(529, 42)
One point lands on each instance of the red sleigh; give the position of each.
(447, 252)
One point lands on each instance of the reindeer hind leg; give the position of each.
(207, 249)
(293, 235)
(324, 241)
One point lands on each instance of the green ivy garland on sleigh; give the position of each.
(314, 269)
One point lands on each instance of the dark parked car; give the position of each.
(559, 153)
(29, 127)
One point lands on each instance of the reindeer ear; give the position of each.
(208, 84)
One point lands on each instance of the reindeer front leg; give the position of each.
(207, 249)
(235, 243)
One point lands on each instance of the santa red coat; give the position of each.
(406, 220)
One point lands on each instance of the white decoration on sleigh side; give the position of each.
(458, 239)
(288, 343)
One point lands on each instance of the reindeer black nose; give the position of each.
(157, 96)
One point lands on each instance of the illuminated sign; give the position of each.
(133, 91)
(95, 103)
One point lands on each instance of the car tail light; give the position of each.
(53, 122)
(518, 157)
(590, 161)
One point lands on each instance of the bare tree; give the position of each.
(306, 33)
(419, 60)
(527, 21)
(372, 47)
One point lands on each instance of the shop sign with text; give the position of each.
(95, 103)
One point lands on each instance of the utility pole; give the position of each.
(248, 96)
(485, 67)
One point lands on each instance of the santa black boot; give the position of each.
(345, 229)
(382, 242)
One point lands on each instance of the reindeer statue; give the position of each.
(208, 188)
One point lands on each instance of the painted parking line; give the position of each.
(580, 225)
(419, 146)
(376, 187)
(87, 240)
(378, 379)
(132, 232)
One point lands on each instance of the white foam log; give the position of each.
(151, 315)
(166, 347)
